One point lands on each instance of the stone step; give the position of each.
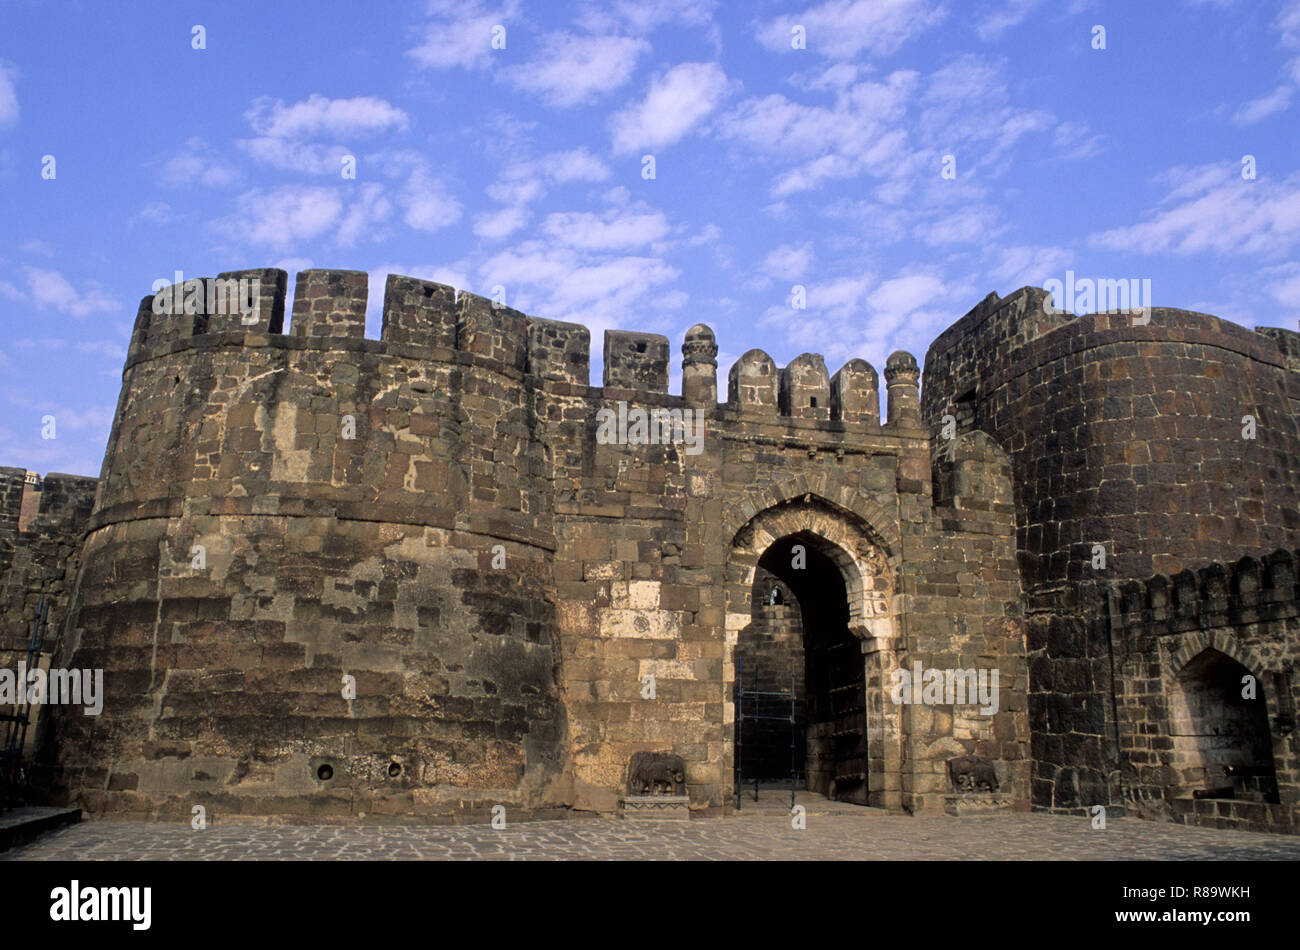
(18, 826)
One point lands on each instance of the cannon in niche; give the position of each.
(656, 773)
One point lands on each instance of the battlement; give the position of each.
(434, 322)
(1003, 337)
(1250, 590)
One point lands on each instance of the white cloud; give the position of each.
(284, 131)
(1024, 266)
(285, 216)
(573, 69)
(520, 185)
(155, 212)
(1211, 209)
(1259, 109)
(365, 216)
(197, 164)
(574, 165)
(427, 203)
(564, 283)
(966, 225)
(615, 229)
(291, 265)
(501, 223)
(8, 95)
(1287, 292)
(1075, 140)
(460, 34)
(709, 234)
(788, 262)
(50, 290)
(316, 115)
(1010, 14)
(864, 316)
(639, 17)
(966, 111)
(903, 296)
(309, 158)
(841, 29)
(861, 132)
(1288, 25)
(527, 181)
(677, 101)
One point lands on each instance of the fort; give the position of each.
(533, 616)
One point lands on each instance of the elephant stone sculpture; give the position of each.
(971, 773)
(656, 773)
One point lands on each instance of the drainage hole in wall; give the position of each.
(394, 769)
(325, 773)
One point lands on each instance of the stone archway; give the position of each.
(1220, 731)
(847, 595)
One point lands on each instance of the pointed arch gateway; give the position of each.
(1219, 723)
(811, 587)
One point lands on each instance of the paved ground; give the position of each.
(867, 835)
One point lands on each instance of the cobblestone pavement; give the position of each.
(831, 837)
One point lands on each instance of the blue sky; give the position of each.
(522, 167)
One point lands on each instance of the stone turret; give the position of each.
(700, 367)
(902, 377)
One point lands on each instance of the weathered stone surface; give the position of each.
(330, 577)
(1128, 448)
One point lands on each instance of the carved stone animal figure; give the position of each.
(656, 774)
(971, 773)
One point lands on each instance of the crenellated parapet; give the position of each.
(456, 417)
(636, 361)
(437, 324)
(419, 312)
(802, 390)
(497, 547)
(1250, 590)
(1204, 694)
(805, 390)
(559, 352)
(855, 393)
(494, 553)
(330, 303)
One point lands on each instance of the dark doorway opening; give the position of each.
(1220, 730)
(800, 623)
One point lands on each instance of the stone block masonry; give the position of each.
(338, 578)
(1161, 446)
(42, 521)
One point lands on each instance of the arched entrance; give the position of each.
(810, 611)
(1220, 729)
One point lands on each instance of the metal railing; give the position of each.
(757, 698)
